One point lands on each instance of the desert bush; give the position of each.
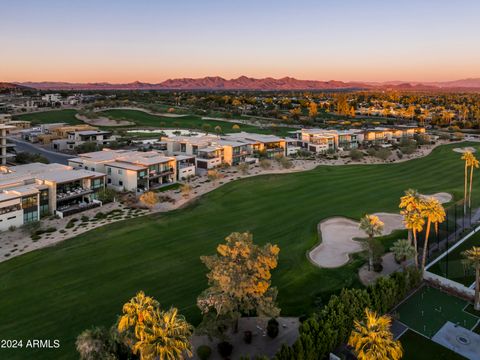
(204, 352)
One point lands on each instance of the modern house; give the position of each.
(28, 192)
(130, 170)
(77, 138)
(318, 140)
(259, 144)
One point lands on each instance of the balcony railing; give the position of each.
(73, 194)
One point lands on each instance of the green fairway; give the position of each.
(53, 116)
(59, 291)
(429, 309)
(141, 118)
(456, 270)
(418, 347)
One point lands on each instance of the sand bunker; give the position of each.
(443, 197)
(337, 235)
(104, 121)
(337, 239)
(464, 149)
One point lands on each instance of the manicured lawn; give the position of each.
(456, 270)
(59, 291)
(429, 309)
(53, 116)
(141, 118)
(418, 347)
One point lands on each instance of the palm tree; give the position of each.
(473, 163)
(165, 337)
(158, 334)
(467, 157)
(372, 225)
(414, 222)
(136, 312)
(410, 202)
(433, 211)
(371, 339)
(472, 257)
(403, 250)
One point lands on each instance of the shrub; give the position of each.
(272, 328)
(106, 195)
(265, 164)
(204, 352)
(243, 167)
(35, 237)
(84, 218)
(383, 154)
(50, 229)
(285, 162)
(12, 228)
(356, 154)
(225, 349)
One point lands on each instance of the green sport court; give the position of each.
(428, 309)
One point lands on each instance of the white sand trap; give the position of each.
(338, 233)
(337, 239)
(443, 197)
(104, 121)
(464, 149)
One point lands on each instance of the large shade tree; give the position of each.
(372, 339)
(239, 280)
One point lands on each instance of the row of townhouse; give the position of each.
(233, 149)
(29, 192)
(322, 141)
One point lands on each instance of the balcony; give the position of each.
(73, 194)
(67, 210)
(155, 174)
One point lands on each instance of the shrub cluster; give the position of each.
(325, 330)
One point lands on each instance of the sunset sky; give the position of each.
(151, 41)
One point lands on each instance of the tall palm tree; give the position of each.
(371, 339)
(467, 157)
(158, 334)
(472, 257)
(433, 211)
(411, 204)
(414, 222)
(473, 163)
(165, 337)
(373, 226)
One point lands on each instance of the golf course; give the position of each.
(143, 119)
(56, 292)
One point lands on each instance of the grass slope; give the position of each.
(54, 116)
(141, 118)
(59, 291)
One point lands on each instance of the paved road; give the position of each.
(52, 156)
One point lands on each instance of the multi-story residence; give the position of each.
(232, 149)
(130, 170)
(52, 98)
(258, 144)
(76, 138)
(350, 139)
(28, 192)
(318, 140)
(385, 135)
(4, 155)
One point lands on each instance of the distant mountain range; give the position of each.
(248, 83)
